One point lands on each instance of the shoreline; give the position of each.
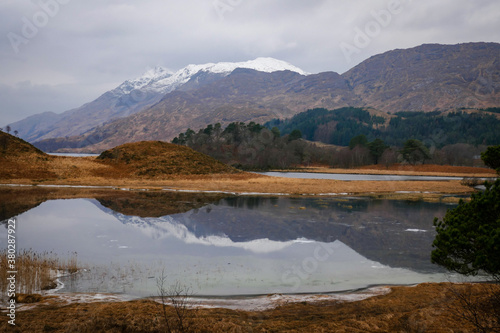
(235, 302)
(89, 172)
(374, 189)
(421, 307)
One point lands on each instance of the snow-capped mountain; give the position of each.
(160, 105)
(161, 80)
(267, 65)
(147, 79)
(134, 95)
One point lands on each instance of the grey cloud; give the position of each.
(90, 46)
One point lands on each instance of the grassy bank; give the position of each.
(423, 308)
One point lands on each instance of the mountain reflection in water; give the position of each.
(393, 232)
(237, 245)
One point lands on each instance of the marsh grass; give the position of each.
(36, 271)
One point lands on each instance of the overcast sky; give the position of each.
(58, 54)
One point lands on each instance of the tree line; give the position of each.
(249, 146)
(254, 146)
(435, 129)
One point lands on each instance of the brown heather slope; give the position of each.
(429, 77)
(11, 146)
(135, 162)
(152, 159)
(19, 159)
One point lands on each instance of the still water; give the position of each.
(236, 245)
(73, 154)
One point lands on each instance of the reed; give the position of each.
(36, 271)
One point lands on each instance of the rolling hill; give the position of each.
(153, 159)
(19, 159)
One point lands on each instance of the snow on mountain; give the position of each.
(147, 79)
(267, 65)
(160, 80)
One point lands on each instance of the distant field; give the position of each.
(413, 170)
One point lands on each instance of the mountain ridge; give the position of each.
(134, 95)
(424, 78)
(453, 63)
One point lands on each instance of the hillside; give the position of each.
(153, 159)
(19, 159)
(424, 78)
(135, 95)
(244, 95)
(430, 77)
(11, 146)
(126, 99)
(434, 128)
(140, 160)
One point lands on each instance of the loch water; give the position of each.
(235, 245)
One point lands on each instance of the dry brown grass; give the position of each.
(423, 308)
(35, 271)
(262, 184)
(158, 165)
(410, 170)
(88, 172)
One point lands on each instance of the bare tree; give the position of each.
(389, 157)
(16, 132)
(479, 307)
(7, 129)
(176, 296)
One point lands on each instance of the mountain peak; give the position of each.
(163, 81)
(148, 78)
(183, 75)
(156, 72)
(261, 64)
